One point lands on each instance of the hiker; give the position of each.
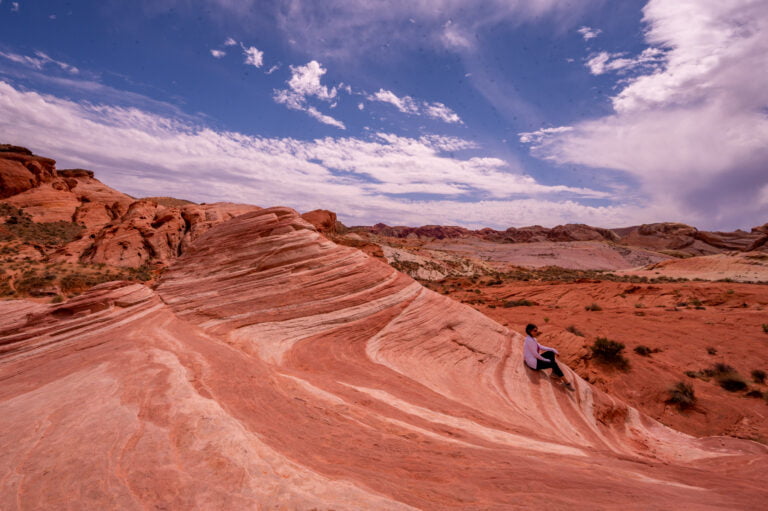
(540, 357)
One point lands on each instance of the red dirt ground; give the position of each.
(728, 317)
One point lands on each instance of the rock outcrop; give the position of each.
(274, 369)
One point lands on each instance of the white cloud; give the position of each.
(230, 42)
(650, 59)
(253, 56)
(325, 119)
(272, 69)
(360, 106)
(144, 154)
(589, 33)
(441, 112)
(408, 105)
(304, 84)
(14, 6)
(536, 137)
(694, 132)
(39, 61)
(217, 54)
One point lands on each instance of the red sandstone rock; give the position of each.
(323, 220)
(274, 369)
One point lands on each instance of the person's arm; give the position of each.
(532, 347)
(546, 348)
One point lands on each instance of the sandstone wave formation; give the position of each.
(274, 369)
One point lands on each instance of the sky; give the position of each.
(494, 114)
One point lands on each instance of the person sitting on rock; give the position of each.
(539, 357)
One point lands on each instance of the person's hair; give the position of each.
(530, 328)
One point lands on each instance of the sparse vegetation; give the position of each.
(758, 376)
(20, 226)
(765, 328)
(645, 351)
(682, 396)
(593, 307)
(755, 393)
(574, 330)
(609, 352)
(711, 350)
(519, 303)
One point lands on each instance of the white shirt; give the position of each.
(531, 349)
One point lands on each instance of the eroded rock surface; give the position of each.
(274, 369)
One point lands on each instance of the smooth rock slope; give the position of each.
(273, 369)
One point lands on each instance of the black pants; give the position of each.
(549, 355)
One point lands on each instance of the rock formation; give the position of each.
(119, 230)
(274, 369)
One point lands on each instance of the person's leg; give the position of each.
(549, 355)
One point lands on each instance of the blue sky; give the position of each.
(501, 113)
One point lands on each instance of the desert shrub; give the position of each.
(519, 303)
(682, 396)
(755, 393)
(609, 352)
(57, 299)
(76, 283)
(593, 307)
(732, 383)
(639, 305)
(728, 378)
(644, 351)
(765, 328)
(758, 376)
(712, 351)
(575, 331)
(691, 374)
(721, 368)
(33, 284)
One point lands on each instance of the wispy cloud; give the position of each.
(365, 180)
(339, 28)
(693, 132)
(408, 105)
(589, 33)
(230, 42)
(304, 84)
(651, 59)
(217, 54)
(39, 61)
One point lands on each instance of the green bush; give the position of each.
(682, 396)
(609, 352)
(593, 307)
(575, 331)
